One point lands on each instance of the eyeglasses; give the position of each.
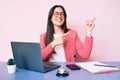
(56, 14)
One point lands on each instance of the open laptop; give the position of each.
(28, 56)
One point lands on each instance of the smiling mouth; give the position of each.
(59, 20)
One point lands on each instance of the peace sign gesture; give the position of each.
(89, 25)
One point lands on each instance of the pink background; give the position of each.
(25, 20)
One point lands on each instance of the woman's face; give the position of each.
(58, 17)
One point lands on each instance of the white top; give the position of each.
(59, 56)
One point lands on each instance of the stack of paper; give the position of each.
(95, 67)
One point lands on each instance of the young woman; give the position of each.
(60, 44)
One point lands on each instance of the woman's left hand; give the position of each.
(89, 26)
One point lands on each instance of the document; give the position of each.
(95, 67)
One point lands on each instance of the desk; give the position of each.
(23, 74)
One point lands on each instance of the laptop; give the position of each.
(28, 56)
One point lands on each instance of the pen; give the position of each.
(103, 65)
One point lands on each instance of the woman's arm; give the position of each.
(46, 50)
(84, 50)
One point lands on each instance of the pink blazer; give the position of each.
(72, 46)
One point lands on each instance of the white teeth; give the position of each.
(59, 20)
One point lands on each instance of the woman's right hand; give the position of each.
(58, 41)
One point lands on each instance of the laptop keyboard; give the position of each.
(50, 66)
(47, 66)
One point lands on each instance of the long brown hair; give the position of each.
(50, 28)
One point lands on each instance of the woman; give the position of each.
(60, 44)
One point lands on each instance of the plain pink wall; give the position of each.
(25, 20)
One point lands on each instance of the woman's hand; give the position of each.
(89, 25)
(58, 41)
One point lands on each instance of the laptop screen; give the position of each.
(28, 56)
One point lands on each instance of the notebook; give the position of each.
(28, 56)
(95, 67)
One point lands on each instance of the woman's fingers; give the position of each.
(90, 22)
(65, 34)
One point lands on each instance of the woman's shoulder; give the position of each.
(43, 35)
